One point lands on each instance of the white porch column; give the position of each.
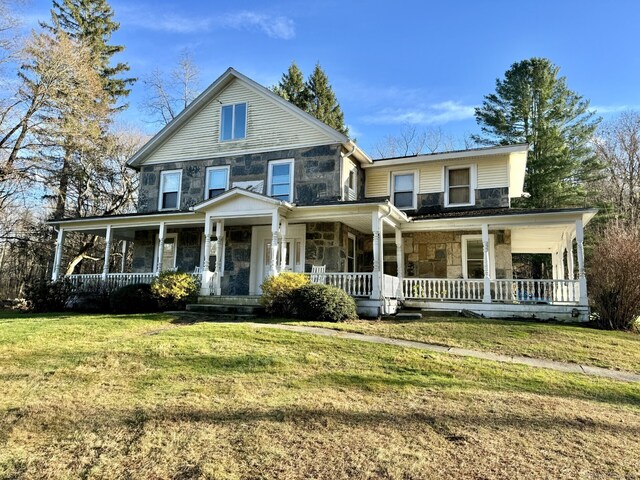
(123, 261)
(57, 259)
(275, 227)
(582, 279)
(162, 231)
(283, 244)
(400, 263)
(485, 264)
(570, 272)
(376, 284)
(219, 256)
(107, 252)
(205, 279)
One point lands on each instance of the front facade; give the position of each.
(243, 185)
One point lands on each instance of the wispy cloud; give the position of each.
(607, 109)
(434, 114)
(274, 26)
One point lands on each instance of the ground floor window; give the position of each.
(472, 253)
(169, 250)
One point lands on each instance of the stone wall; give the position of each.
(143, 249)
(316, 176)
(327, 243)
(237, 261)
(187, 253)
(485, 198)
(439, 254)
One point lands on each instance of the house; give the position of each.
(243, 185)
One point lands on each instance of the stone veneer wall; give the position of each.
(485, 198)
(439, 254)
(187, 254)
(316, 175)
(326, 244)
(237, 261)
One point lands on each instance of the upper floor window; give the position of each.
(217, 181)
(281, 180)
(352, 185)
(404, 190)
(233, 122)
(170, 181)
(459, 188)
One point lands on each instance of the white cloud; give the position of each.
(274, 26)
(606, 109)
(434, 114)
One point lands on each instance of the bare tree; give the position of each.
(414, 141)
(169, 94)
(618, 146)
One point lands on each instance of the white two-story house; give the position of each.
(243, 185)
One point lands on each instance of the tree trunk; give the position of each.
(63, 187)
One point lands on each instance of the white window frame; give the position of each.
(352, 193)
(472, 184)
(291, 162)
(233, 123)
(206, 178)
(156, 251)
(351, 239)
(492, 260)
(162, 176)
(394, 174)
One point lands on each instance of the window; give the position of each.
(233, 122)
(281, 180)
(352, 185)
(217, 181)
(472, 253)
(404, 190)
(459, 189)
(170, 189)
(168, 252)
(351, 252)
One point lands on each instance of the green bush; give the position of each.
(325, 303)
(48, 296)
(277, 293)
(135, 298)
(174, 289)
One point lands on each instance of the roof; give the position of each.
(212, 91)
(494, 212)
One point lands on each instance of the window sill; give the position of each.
(454, 205)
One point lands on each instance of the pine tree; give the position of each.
(293, 88)
(533, 104)
(324, 104)
(91, 23)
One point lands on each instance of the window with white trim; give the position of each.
(281, 180)
(169, 198)
(459, 186)
(352, 185)
(217, 181)
(233, 122)
(403, 193)
(472, 257)
(169, 249)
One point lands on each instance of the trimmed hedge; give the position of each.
(174, 289)
(278, 293)
(135, 298)
(325, 303)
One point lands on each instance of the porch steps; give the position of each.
(227, 308)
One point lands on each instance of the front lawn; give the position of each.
(141, 397)
(555, 341)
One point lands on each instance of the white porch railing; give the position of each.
(390, 286)
(93, 281)
(443, 289)
(355, 284)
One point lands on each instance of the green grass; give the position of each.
(142, 397)
(555, 341)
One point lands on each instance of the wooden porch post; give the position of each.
(219, 256)
(107, 252)
(283, 244)
(206, 274)
(485, 264)
(162, 231)
(400, 263)
(57, 259)
(376, 284)
(275, 227)
(582, 279)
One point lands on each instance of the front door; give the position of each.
(261, 254)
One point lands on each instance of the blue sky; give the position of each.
(426, 63)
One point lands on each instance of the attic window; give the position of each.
(233, 122)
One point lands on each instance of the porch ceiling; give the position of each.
(537, 239)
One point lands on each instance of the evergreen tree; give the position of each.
(91, 23)
(324, 104)
(533, 104)
(315, 96)
(293, 88)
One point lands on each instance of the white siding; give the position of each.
(377, 182)
(493, 172)
(431, 178)
(269, 127)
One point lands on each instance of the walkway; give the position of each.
(463, 352)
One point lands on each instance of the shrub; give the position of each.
(135, 298)
(47, 296)
(89, 301)
(613, 278)
(277, 293)
(325, 303)
(174, 289)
